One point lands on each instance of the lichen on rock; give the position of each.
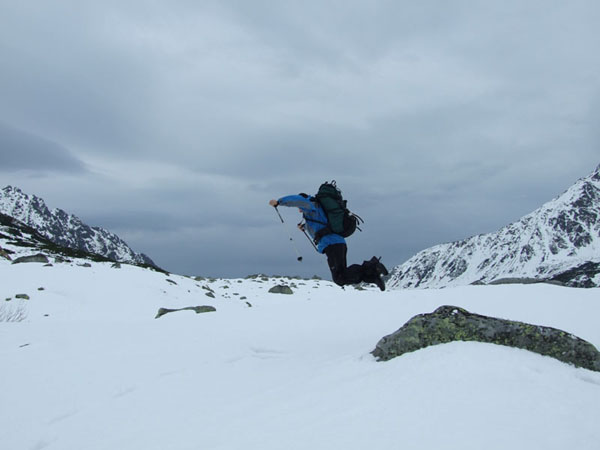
(450, 323)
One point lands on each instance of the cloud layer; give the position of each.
(174, 123)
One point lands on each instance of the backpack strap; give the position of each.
(322, 232)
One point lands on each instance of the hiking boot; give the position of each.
(379, 282)
(379, 267)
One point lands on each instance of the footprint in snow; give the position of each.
(266, 353)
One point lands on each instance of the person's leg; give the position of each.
(368, 271)
(336, 259)
(355, 274)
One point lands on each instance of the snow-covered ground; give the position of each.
(91, 368)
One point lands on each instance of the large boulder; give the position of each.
(39, 258)
(450, 323)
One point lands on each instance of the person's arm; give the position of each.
(294, 201)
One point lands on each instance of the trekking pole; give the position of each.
(312, 242)
(299, 258)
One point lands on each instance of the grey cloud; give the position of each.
(66, 73)
(458, 117)
(20, 150)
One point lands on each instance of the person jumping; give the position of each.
(333, 245)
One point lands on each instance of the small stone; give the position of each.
(22, 296)
(116, 265)
(210, 294)
(41, 289)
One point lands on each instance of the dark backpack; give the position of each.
(340, 220)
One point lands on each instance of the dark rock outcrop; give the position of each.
(580, 276)
(450, 323)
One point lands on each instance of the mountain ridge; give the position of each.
(560, 236)
(67, 230)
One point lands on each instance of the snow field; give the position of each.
(290, 372)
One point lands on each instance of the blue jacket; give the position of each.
(315, 219)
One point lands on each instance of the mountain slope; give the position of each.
(552, 241)
(66, 229)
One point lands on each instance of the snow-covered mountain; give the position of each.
(66, 229)
(559, 241)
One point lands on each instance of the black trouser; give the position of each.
(341, 274)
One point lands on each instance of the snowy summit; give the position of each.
(560, 240)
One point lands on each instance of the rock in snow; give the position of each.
(281, 289)
(450, 323)
(196, 309)
(38, 258)
(547, 244)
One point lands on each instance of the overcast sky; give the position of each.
(173, 123)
